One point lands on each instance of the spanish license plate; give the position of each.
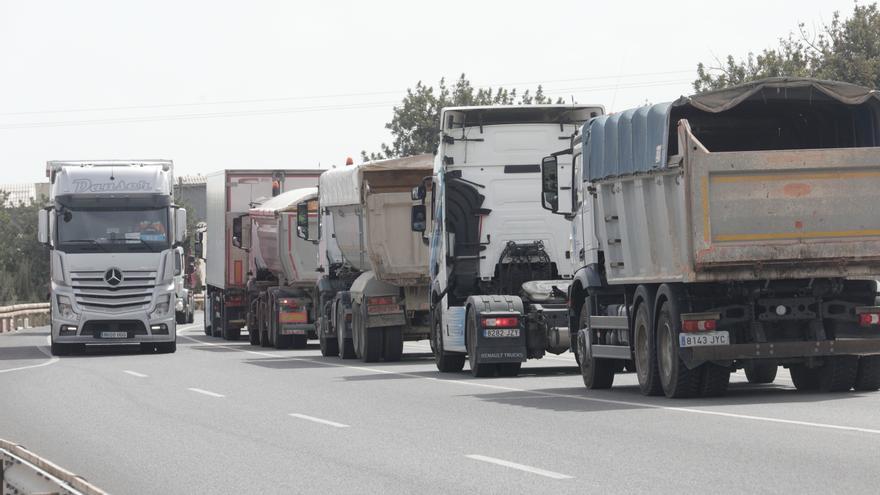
(703, 338)
(501, 332)
(114, 335)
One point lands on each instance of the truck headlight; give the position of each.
(179, 305)
(163, 302)
(65, 308)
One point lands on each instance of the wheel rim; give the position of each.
(666, 351)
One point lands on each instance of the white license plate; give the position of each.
(501, 332)
(703, 338)
(114, 335)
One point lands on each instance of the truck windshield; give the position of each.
(90, 230)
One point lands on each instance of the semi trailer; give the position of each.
(281, 288)
(112, 230)
(231, 194)
(373, 292)
(727, 230)
(493, 248)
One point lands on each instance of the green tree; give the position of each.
(24, 262)
(415, 124)
(847, 49)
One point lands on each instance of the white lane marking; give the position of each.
(319, 420)
(266, 354)
(206, 392)
(521, 467)
(52, 359)
(473, 383)
(135, 373)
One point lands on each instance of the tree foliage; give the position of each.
(24, 262)
(415, 125)
(847, 49)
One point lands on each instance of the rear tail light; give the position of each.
(382, 305)
(699, 322)
(501, 322)
(869, 316)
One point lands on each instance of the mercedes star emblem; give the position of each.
(113, 276)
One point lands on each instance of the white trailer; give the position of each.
(230, 194)
(727, 230)
(374, 289)
(493, 248)
(281, 289)
(112, 229)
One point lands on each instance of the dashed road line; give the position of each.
(206, 392)
(520, 467)
(319, 420)
(135, 373)
(644, 405)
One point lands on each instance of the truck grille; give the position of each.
(93, 292)
(132, 327)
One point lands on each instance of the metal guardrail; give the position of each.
(22, 473)
(20, 316)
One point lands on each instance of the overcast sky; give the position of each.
(294, 84)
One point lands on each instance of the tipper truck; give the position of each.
(112, 229)
(730, 229)
(281, 299)
(492, 246)
(231, 194)
(373, 293)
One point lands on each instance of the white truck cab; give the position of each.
(112, 229)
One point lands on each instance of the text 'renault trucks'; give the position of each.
(373, 292)
(112, 229)
(721, 231)
(281, 299)
(231, 194)
(493, 248)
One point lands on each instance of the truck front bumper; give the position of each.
(92, 327)
(783, 350)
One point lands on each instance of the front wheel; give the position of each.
(597, 373)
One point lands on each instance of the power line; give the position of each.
(312, 97)
(289, 110)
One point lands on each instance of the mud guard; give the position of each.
(497, 349)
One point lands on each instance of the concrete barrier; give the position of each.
(23, 472)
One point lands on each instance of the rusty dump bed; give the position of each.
(780, 180)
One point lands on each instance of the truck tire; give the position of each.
(677, 380)
(180, 318)
(57, 349)
(715, 380)
(446, 362)
(838, 374)
(392, 344)
(346, 349)
(597, 373)
(761, 371)
(509, 369)
(372, 344)
(329, 345)
(283, 341)
(231, 334)
(253, 336)
(479, 370)
(166, 347)
(868, 374)
(646, 352)
(299, 341)
(804, 379)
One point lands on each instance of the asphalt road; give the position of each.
(224, 417)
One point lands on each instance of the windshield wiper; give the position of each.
(89, 241)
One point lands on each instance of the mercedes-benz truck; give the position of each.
(112, 229)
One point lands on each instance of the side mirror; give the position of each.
(418, 193)
(304, 213)
(550, 183)
(241, 232)
(180, 225)
(418, 218)
(43, 227)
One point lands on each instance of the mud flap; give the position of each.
(490, 348)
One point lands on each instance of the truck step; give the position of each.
(609, 322)
(610, 351)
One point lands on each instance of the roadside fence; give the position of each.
(20, 316)
(23, 472)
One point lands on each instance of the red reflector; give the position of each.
(380, 300)
(869, 319)
(698, 325)
(502, 322)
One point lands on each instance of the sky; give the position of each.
(302, 84)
